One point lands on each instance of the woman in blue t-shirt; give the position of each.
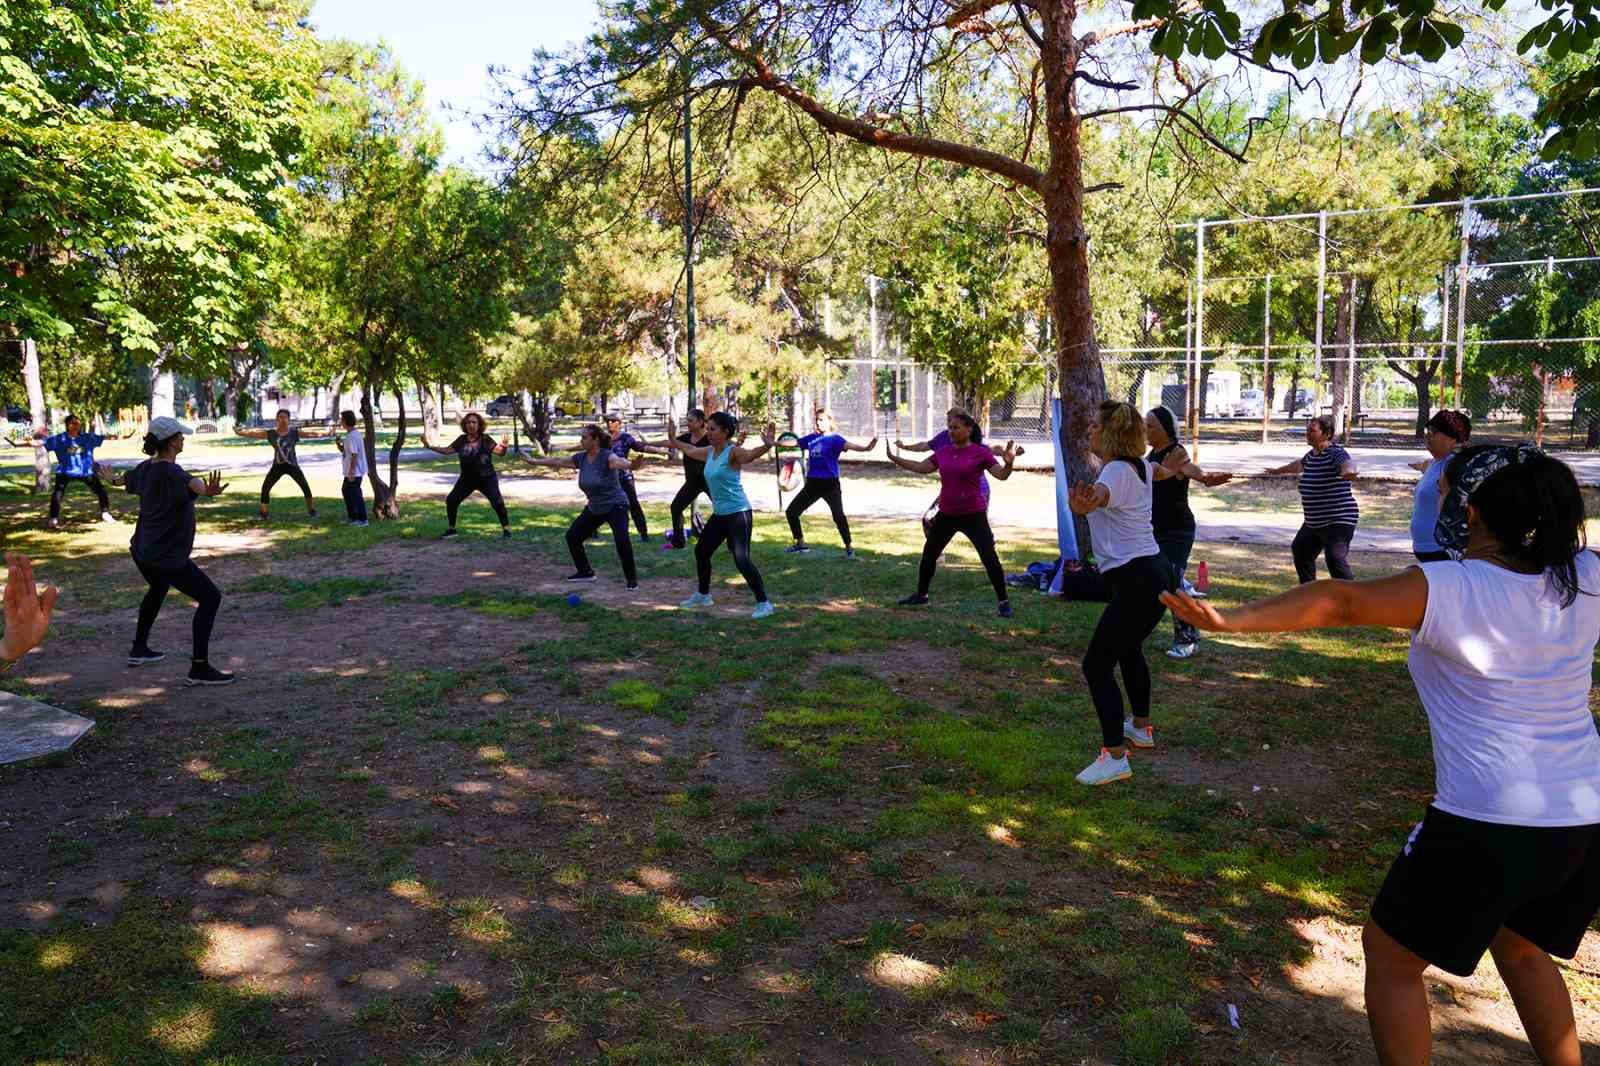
(823, 449)
(599, 476)
(1447, 433)
(732, 520)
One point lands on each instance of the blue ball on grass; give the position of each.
(573, 599)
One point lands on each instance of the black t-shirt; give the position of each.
(164, 536)
(693, 468)
(283, 445)
(477, 458)
(1169, 499)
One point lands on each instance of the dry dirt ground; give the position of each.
(425, 837)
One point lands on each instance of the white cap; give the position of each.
(163, 428)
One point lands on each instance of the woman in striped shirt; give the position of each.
(1330, 507)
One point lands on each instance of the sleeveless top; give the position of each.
(722, 482)
(1169, 499)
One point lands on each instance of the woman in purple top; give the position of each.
(823, 449)
(623, 444)
(963, 505)
(599, 476)
(941, 439)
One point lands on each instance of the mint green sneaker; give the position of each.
(699, 599)
(763, 609)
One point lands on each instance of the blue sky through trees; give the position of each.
(450, 45)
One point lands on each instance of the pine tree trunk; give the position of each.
(1082, 380)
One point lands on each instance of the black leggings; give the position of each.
(1130, 617)
(693, 486)
(466, 485)
(1332, 540)
(943, 529)
(819, 488)
(355, 504)
(1175, 548)
(192, 582)
(736, 530)
(633, 506)
(278, 471)
(59, 488)
(586, 523)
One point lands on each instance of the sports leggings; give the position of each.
(633, 506)
(278, 471)
(59, 488)
(736, 530)
(1334, 541)
(586, 523)
(192, 582)
(693, 485)
(466, 485)
(1175, 548)
(942, 529)
(1130, 617)
(819, 488)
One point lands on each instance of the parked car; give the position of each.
(1249, 405)
(501, 407)
(1304, 401)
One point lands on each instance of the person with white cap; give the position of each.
(163, 541)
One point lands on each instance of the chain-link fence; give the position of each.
(1377, 318)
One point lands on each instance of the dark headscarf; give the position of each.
(1465, 473)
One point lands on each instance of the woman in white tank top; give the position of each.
(1507, 857)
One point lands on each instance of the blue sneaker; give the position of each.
(763, 609)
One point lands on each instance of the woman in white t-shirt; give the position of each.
(1117, 507)
(1507, 857)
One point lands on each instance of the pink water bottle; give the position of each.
(1202, 579)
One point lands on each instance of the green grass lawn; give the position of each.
(848, 834)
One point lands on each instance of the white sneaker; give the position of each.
(763, 610)
(1139, 738)
(107, 516)
(699, 599)
(1181, 651)
(1105, 770)
(1192, 591)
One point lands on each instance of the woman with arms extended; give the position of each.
(1507, 857)
(823, 449)
(963, 504)
(1331, 514)
(598, 476)
(694, 471)
(731, 518)
(477, 451)
(162, 543)
(1170, 516)
(284, 439)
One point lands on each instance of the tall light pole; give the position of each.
(688, 229)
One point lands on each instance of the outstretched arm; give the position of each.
(917, 446)
(867, 447)
(1397, 602)
(211, 486)
(258, 434)
(1178, 464)
(916, 466)
(1287, 468)
(555, 462)
(697, 452)
(745, 456)
(1009, 454)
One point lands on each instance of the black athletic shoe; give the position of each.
(644, 538)
(203, 673)
(849, 553)
(447, 534)
(505, 533)
(140, 656)
(633, 587)
(914, 601)
(799, 547)
(575, 578)
(311, 513)
(1005, 608)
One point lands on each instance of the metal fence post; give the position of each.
(1197, 351)
(1462, 273)
(1266, 360)
(1322, 292)
(1350, 365)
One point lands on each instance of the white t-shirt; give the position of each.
(355, 454)
(1121, 529)
(1504, 674)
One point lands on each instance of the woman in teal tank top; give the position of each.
(731, 518)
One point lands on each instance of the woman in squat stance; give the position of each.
(694, 471)
(623, 445)
(1169, 510)
(1330, 507)
(823, 449)
(477, 451)
(74, 452)
(599, 470)
(283, 437)
(162, 542)
(963, 504)
(1118, 508)
(1506, 858)
(731, 518)
(941, 439)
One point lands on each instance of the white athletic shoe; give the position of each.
(763, 609)
(699, 599)
(1181, 651)
(1105, 770)
(1192, 591)
(1139, 738)
(107, 516)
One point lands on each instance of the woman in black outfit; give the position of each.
(162, 542)
(477, 451)
(1169, 511)
(694, 471)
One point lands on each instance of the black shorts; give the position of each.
(1458, 881)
